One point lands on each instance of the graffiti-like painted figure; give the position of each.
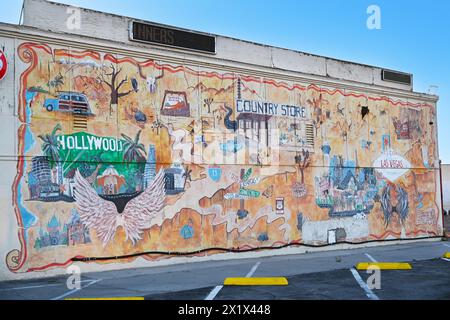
(394, 199)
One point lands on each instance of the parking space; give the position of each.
(428, 280)
(318, 275)
(36, 289)
(334, 285)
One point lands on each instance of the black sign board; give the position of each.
(394, 76)
(172, 37)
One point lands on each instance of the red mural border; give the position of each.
(27, 53)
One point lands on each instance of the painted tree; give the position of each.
(50, 146)
(57, 82)
(345, 128)
(303, 160)
(157, 125)
(134, 151)
(114, 85)
(188, 174)
(317, 104)
(208, 103)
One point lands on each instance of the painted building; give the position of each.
(150, 166)
(225, 144)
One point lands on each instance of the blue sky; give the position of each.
(415, 35)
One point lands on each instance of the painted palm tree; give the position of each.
(50, 146)
(57, 82)
(303, 160)
(134, 150)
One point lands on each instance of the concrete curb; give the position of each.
(276, 281)
(383, 266)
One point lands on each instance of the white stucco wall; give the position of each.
(8, 151)
(50, 16)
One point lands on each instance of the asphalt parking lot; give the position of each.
(317, 275)
(429, 280)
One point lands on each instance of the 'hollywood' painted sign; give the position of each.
(90, 143)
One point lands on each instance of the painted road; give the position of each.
(318, 275)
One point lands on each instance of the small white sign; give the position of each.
(250, 182)
(279, 205)
(234, 177)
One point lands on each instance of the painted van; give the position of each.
(68, 102)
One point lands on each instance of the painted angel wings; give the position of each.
(102, 215)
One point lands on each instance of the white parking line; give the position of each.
(363, 285)
(216, 290)
(38, 286)
(370, 257)
(252, 271)
(75, 290)
(214, 293)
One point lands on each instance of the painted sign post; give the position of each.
(3, 65)
(249, 193)
(244, 182)
(244, 194)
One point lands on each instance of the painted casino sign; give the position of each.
(3, 65)
(391, 166)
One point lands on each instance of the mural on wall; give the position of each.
(121, 156)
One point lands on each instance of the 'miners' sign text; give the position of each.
(146, 32)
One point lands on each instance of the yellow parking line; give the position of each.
(112, 298)
(384, 265)
(275, 281)
(447, 255)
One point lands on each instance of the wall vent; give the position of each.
(398, 77)
(309, 130)
(79, 121)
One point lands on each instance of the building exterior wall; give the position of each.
(170, 160)
(446, 186)
(51, 16)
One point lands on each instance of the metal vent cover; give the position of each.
(309, 130)
(398, 77)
